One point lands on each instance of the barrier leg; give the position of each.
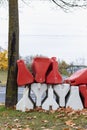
(74, 100)
(25, 103)
(83, 91)
(38, 89)
(61, 90)
(50, 101)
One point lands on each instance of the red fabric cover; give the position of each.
(78, 78)
(24, 76)
(83, 91)
(54, 77)
(40, 66)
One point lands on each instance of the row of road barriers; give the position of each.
(46, 80)
(61, 95)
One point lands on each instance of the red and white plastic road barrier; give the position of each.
(83, 92)
(62, 90)
(54, 77)
(24, 76)
(25, 103)
(47, 80)
(50, 102)
(78, 78)
(38, 89)
(74, 100)
(40, 66)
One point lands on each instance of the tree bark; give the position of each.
(13, 54)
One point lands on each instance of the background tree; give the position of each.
(62, 65)
(13, 54)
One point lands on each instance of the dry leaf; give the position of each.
(52, 111)
(34, 117)
(81, 129)
(70, 123)
(29, 118)
(13, 129)
(47, 129)
(27, 129)
(42, 127)
(16, 120)
(66, 129)
(60, 115)
(45, 121)
(69, 110)
(38, 108)
(84, 112)
(18, 125)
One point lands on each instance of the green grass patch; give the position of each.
(3, 77)
(42, 120)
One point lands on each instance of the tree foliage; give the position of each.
(3, 60)
(62, 65)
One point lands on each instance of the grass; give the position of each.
(3, 77)
(38, 119)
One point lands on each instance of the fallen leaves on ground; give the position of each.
(70, 123)
(27, 129)
(30, 118)
(45, 121)
(16, 120)
(66, 129)
(66, 118)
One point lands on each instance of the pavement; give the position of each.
(3, 92)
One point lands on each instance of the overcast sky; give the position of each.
(49, 31)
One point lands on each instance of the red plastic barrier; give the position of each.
(83, 91)
(78, 78)
(24, 76)
(54, 76)
(40, 66)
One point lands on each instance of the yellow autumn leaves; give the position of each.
(3, 60)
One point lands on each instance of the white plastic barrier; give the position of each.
(61, 90)
(25, 103)
(74, 100)
(50, 101)
(38, 89)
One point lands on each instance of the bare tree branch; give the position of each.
(75, 3)
(66, 4)
(57, 4)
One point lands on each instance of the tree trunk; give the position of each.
(13, 54)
